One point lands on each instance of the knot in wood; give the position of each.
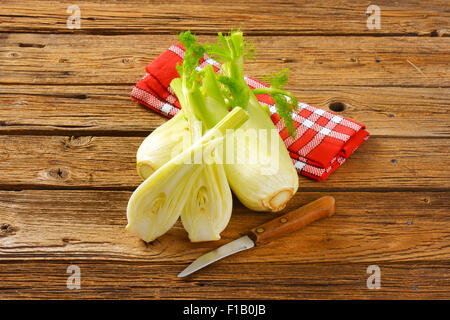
(337, 106)
(7, 230)
(77, 142)
(58, 173)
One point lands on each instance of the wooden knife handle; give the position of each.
(294, 220)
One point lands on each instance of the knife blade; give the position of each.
(290, 222)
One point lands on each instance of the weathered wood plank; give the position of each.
(46, 279)
(109, 162)
(108, 110)
(404, 233)
(259, 17)
(313, 61)
(77, 224)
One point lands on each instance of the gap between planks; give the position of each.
(260, 17)
(26, 187)
(431, 34)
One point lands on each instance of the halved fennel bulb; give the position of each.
(156, 204)
(208, 209)
(199, 192)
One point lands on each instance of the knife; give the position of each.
(294, 220)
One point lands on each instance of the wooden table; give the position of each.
(69, 134)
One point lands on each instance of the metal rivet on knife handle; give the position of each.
(294, 220)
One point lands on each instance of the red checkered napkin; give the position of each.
(324, 139)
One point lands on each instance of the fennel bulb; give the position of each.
(198, 192)
(264, 178)
(187, 185)
(208, 209)
(154, 151)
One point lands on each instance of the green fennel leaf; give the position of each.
(285, 102)
(194, 51)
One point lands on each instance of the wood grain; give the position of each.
(69, 133)
(77, 224)
(108, 110)
(405, 233)
(109, 162)
(258, 17)
(44, 279)
(313, 61)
